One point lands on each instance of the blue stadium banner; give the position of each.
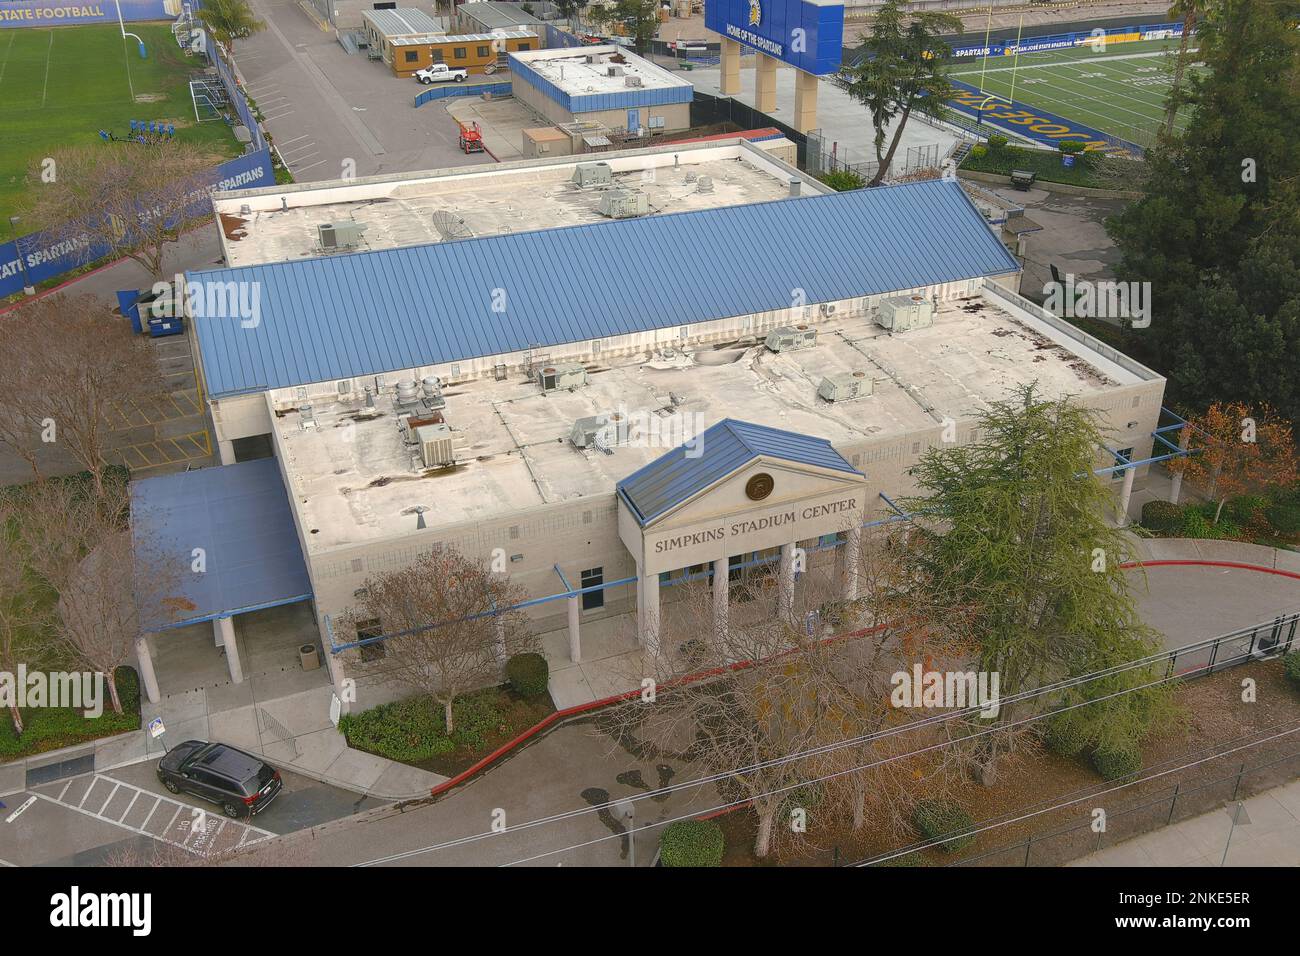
(53, 13)
(807, 34)
(47, 259)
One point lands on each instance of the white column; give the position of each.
(226, 452)
(1124, 495)
(852, 558)
(785, 582)
(225, 628)
(721, 595)
(147, 676)
(575, 636)
(650, 617)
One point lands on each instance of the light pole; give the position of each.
(28, 288)
(122, 25)
(626, 812)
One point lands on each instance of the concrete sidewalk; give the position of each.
(1272, 838)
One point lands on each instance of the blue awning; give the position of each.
(239, 516)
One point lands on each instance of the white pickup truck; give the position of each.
(440, 73)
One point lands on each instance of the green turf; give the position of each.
(1119, 90)
(60, 86)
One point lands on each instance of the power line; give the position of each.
(829, 748)
(1101, 793)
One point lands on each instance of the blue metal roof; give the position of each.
(239, 515)
(730, 444)
(369, 312)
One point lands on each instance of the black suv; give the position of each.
(242, 784)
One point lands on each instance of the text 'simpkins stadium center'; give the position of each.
(676, 361)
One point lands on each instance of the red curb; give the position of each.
(559, 715)
(604, 702)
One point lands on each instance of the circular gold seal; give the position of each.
(759, 487)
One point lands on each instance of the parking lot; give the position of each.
(325, 108)
(125, 816)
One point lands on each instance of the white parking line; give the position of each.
(294, 140)
(302, 169)
(248, 834)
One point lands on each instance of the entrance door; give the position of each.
(633, 120)
(593, 600)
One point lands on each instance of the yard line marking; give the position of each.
(46, 86)
(110, 798)
(9, 49)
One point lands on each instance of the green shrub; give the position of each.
(997, 141)
(1162, 516)
(1113, 764)
(1284, 518)
(415, 729)
(842, 180)
(692, 843)
(1071, 146)
(1291, 667)
(1243, 510)
(935, 819)
(528, 674)
(1196, 525)
(979, 152)
(1065, 736)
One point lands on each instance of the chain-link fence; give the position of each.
(828, 157)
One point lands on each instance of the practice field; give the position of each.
(1119, 90)
(60, 86)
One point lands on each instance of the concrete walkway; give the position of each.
(1271, 838)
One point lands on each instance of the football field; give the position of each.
(1119, 90)
(59, 86)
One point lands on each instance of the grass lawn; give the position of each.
(1090, 169)
(59, 86)
(49, 728)
(1120, 90)
(413, 731)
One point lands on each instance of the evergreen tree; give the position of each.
(1218, 232)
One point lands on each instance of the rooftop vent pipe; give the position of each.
(795, 188)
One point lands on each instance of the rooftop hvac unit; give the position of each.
(600, 431)
(587, 175)
(431, 392)
(905, 312)
(634, 81)
(435, 445)
(845, 387)
(704, 184)
(339, 235)
(788, 338)
(613, 71)
(554, 377)
(623, 204)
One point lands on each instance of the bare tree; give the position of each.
(449, 623)
(122, 199)
(97, 615)
(23, 612)
(74, 366)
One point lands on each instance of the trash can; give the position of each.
(308, 656)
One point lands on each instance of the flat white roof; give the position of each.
(409, 209)
(353, 479)
(571, 71)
